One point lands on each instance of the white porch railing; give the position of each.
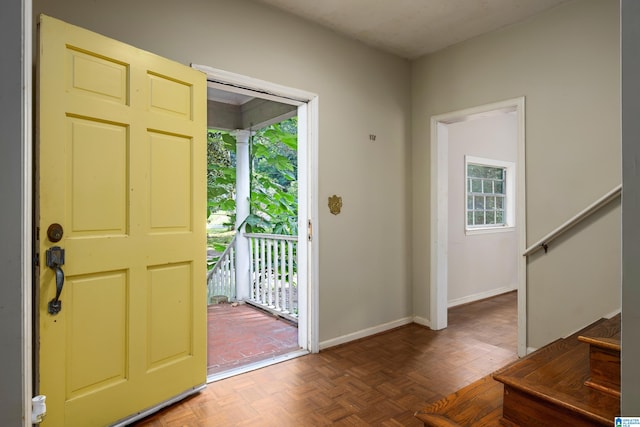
(273, 273)
(221, 279)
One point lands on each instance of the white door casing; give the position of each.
(307, 104)
(439, 212)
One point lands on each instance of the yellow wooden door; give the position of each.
(122, 170)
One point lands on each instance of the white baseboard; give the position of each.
(613, 313)
(480, 296)
(365, 333)
(422, 321)
(604, 316)
(405, 321)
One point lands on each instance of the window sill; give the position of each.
(488, 230)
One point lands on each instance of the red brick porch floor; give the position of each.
(243, 335)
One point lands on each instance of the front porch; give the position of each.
(240, 335)
(253, 302)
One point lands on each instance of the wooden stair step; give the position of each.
(601, 331)
(604, 363)
(612, 344)
(478, 404)
(549, 384)
(547, 353)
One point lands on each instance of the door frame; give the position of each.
(439, 212)
(307, 104)
(26, 223)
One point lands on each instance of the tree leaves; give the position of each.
(221, 175)
(273, 203)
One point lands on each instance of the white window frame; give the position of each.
(509, 199)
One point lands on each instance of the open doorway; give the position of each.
(260, 292)
(252, 199)
(478, 199)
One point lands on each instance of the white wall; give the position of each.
(566, 63)
(364, 251)
(479, 265)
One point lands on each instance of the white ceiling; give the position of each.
(412, 28)
(214, 93)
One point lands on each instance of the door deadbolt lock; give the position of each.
(55, 232)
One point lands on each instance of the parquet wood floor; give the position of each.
(377, 381)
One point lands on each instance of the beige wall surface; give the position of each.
(566, 63)
(364, 257)
(479, 265)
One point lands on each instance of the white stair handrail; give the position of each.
(222, 257)
(585, 213)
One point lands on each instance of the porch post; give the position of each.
(242, 212)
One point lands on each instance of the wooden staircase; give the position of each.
(573, 381)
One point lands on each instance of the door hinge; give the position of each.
(309, 230)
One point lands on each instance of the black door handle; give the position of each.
(55, 260)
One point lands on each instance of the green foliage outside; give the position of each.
(274, 187)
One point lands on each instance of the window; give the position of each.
(489, 194)
(485, 195)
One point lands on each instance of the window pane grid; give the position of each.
(485, 195)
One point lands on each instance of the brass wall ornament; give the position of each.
(335, 204)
